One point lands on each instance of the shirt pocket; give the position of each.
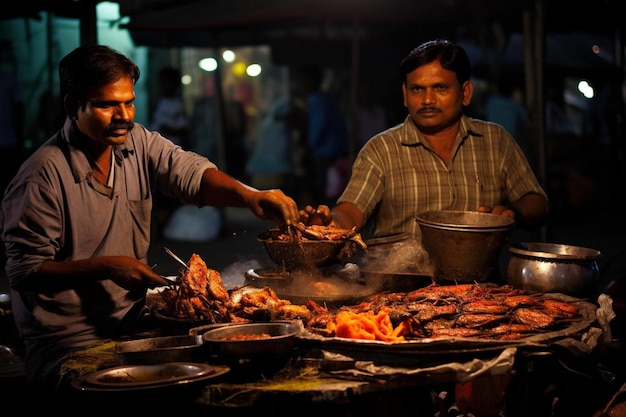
(140, 216)
(488, 188)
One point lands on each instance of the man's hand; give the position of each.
(505, 211)
(274, 205)
(529, 212)
(129, 273)
(319, 216)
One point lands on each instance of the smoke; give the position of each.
(367, 272)
(405, 256)
(233, 275)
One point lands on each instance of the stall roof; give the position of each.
(177, 23)
(238, 22)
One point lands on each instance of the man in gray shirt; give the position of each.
(75, 220)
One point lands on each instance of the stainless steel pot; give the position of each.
(464, 246)
(553, 267)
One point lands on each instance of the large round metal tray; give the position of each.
(453, 344)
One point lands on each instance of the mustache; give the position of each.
(120, 125)
(428, 109)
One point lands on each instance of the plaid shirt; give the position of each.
(396, 175)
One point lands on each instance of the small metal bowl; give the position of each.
(553, 267)
(252, 340)
(154, 350)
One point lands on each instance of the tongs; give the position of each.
(175, 257)
(171, 282)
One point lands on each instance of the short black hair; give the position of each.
(89, 67)
(451, 56)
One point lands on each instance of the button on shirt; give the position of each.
(396, 175)
(55, 210)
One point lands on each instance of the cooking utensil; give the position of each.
(300, 286)
(171, 281)
(398, 263)
(311, 253)
(183, 348)
(464, 246)
(175, 257)
(553, 267)
(252, 340)
(292, 254)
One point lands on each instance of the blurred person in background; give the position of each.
(506, 108)
(238, 123)
(271, 162)
(204, 123)
(170, 116)
(170, 119)
(76, 218)
(327, 132)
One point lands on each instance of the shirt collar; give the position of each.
(413, 137)
(79, 164)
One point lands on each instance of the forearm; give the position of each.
(58, 276)
(531, 211)
(221, 190)
(125, 271)
(347, 216)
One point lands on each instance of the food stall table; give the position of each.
(354, 387)
(312, 377)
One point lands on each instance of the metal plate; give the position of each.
(130, 377)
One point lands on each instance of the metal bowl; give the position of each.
(252, 340)
(464, 246)
(553, 267)
(154, 350)
(173, 326)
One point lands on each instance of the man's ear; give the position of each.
(404, 94)
(468, 90)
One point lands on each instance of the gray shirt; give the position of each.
(54, 209)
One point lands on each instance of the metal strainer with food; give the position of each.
(300, 246)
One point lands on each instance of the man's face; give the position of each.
(434, 97)
(108, 115)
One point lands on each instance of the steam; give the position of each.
(233, 276)
(405, 256)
